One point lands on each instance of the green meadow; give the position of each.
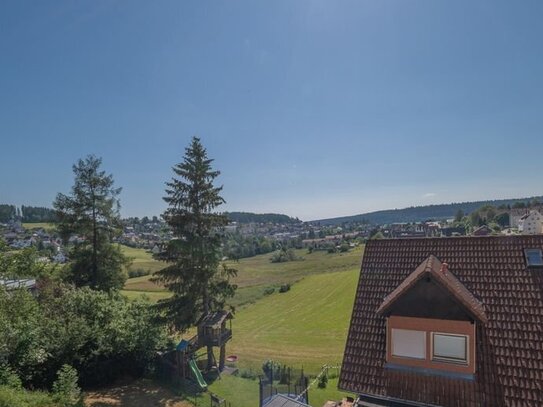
(255, 274)
(41, 225)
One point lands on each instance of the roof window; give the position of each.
(533, 257)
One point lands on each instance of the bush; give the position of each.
(284, 255)
(9, 378)
(284, 288)
(323, 381)
(102, 335)
(138, 273)
(65, 389)
(10, 397)
(272, 369)
(269, 290)
(248, 374)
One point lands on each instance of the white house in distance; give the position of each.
(531, 223)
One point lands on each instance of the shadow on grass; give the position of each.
(144, 392)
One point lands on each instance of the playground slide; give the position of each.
(197, 374)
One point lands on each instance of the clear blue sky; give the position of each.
(310, 108)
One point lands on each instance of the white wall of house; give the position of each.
(532, 224)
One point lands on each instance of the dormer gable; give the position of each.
(433, 291)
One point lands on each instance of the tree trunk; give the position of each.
(94, 242)
(210, 356)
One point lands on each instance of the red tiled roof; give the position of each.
(436, 269)
(509, 345)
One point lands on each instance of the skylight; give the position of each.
(534, 257)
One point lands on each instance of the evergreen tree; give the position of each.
(199, 283)
(92, 211)
(459, 216)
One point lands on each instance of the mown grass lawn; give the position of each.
(306, 326)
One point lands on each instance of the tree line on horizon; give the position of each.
(429, 212)
(26, 214)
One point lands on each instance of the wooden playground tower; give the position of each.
(212, 331)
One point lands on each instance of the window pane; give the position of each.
(450, 347)
(534, 257)
(409, 344)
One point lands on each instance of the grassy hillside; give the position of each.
(141, 259)
(39, 225)
(255, 274)
(306, 326)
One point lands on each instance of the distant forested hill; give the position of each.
(248, 217)
(422, 213)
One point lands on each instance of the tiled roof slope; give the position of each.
(435, 268)
(509, 349)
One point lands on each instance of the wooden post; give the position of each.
(222, 357)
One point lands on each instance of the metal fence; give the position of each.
(283, 380)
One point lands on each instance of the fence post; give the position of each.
(260, 391)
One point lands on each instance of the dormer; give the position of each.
(431, 321)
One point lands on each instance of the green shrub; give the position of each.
(272, 369)
(269, 290)
(66, 391)
(9, 378)
(323, 381)
(284, 255)
(102, 335)
(247, 374)
(10, 397)
(138, 273)
(284, 288)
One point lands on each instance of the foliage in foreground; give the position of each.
(22, 263)
(12, 397)
(101, 335)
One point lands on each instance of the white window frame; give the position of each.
(535, 249)
(444, 359)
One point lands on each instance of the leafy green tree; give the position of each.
(193, 274)
(92, 211)
(103, 335)
(22, 263)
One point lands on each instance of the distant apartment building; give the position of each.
(531, 223)
(516, 214)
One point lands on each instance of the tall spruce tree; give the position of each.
(91, 211)
(200, 284)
